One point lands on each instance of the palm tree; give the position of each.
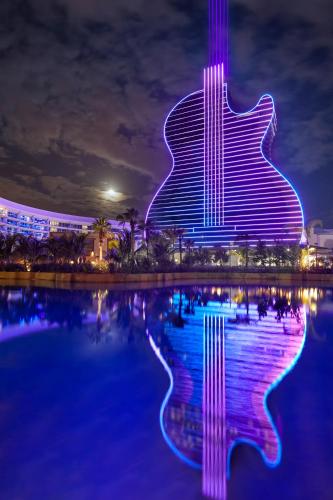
(202, 256)
(220, 255)
(73, 245)
(54, 247)
(261, 253)
(161, 250)
(148, 232)
(131, 217)
(175, 234)
(243, 241)
(189, 245)
(180, 235)
(103, 228)
(8, 244)
(30, 248)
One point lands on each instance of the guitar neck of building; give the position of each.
(214, 92)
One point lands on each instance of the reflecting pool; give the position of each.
(186, 392)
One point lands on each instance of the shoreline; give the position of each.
(169, 278)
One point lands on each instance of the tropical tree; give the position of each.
(180, 236)
(171, 235)
(161, 250)
(130, 217)
(189, 246)
(73, 245)
(8, 245)
(103, 228)
(243, 244)
(121, 253)
(279, 253)
(148, 232)
(176, 236)
(261, 253)
(202, 256)
(54, 247)
(30, 249)
(220, 255)
(293, 255)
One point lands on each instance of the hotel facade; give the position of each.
(16, 218)
(22, 219)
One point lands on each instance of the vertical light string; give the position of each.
(218, 19)
(214, 146)
(214, 411)
(216, 138)
(211, 160)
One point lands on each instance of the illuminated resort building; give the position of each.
(218, 200)
(16, 218)
(21, 219)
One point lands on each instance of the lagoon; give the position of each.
(171, 392)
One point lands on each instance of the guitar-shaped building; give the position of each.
(223, 184)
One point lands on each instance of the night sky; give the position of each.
(85, 86)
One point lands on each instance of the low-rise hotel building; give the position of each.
(22, 219)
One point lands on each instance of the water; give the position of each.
(168, 393)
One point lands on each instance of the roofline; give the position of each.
(50, 215)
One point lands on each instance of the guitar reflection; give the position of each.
(223, 361)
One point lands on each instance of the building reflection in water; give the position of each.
(224, 356)
(224, 349)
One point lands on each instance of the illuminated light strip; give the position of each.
(285, 230)
(173, 162)
(185, 172)
(279, 189)
(251, 169)
(255, 143)
(265, 110)
(244, 151)
(254, 161)
(216, 111)
(195, 159)
(244, 133)
(273, 120)
(196, 124)
(187, 113)
(265, 193)
(245, 211)
(205, 150)
(181, 136)
(237, 219)
(264, 190)
(159, 356)
(184, 111)
(190, 145)
(176, 121)
(247, 127)
(248, 179)
(276, 187)
(174, 199)
(251, 121)
(250, 172)
(245, 138)
(195, 203)
(258, 123)
(245, 186)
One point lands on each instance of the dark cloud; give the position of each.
(85, 86)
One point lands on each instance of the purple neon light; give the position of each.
(221, 373)
(221, 175)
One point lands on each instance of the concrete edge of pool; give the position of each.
(241, 278)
